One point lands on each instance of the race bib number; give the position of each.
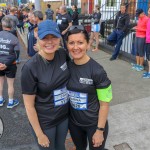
(60, 97)
(78, 100)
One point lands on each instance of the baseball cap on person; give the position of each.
(139, 11)
(48, 27)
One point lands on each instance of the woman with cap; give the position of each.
(140, 39)
(44, 78)
(95, 28)
(89, 92)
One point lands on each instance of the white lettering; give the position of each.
(5, 41)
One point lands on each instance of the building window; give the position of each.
(111, 3)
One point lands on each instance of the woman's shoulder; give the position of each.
(95, 66)
(32, 61)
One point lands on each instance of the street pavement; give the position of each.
(128, 117)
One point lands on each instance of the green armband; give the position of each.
(104, 95)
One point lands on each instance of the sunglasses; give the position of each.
(79, 27)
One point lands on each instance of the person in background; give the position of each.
(12, 15)
(57, 13)
(30, 37)
(121, 25)
(89, 91)
(44, 92)
(95, 28)
(21, 23)
(64, 23)
(49, 12)
(147, 74)
(37, 16)
(1, 17)
(25, 12)
(33, 7)
(75, 15)
(14, 18)
(140, 39)
(8, 68)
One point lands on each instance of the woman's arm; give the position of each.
(102, 118)
(29, 102)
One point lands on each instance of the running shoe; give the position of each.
(146, 76)
(145, 73)
(11, 105)
(134, 66)
(2, 101)
(139, 68)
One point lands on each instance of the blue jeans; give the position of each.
(116, 37)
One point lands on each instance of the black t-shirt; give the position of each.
(47, 80)
(63, 21)
(97, 17)
(75, 18)
(82, 85)
(8, 45)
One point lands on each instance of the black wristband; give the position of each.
(101, 129)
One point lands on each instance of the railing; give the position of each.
(110, 14)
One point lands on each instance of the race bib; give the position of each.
(78, 100)
(60, 97)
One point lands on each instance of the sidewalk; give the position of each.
(129, 110)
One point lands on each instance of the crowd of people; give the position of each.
(56, 96)
(142, 41)
(63, 88)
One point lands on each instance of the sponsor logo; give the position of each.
(86, 81)
(5, 41)
(64, 66)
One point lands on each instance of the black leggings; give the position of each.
(17, 54)
(57, 136)
(81, 134)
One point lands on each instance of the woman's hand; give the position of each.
(2, 66)
(43, 140)
(97, 138)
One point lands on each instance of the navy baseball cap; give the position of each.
(48, 27)
(139, 11)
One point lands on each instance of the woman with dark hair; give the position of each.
(75, 15)
(89, 91)
(95, 29)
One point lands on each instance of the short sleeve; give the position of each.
(28, 81)
(101, 80)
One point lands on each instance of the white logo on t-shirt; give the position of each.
(86, 81)
(64, 66)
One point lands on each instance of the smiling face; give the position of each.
(48, 45)
(77, 46)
